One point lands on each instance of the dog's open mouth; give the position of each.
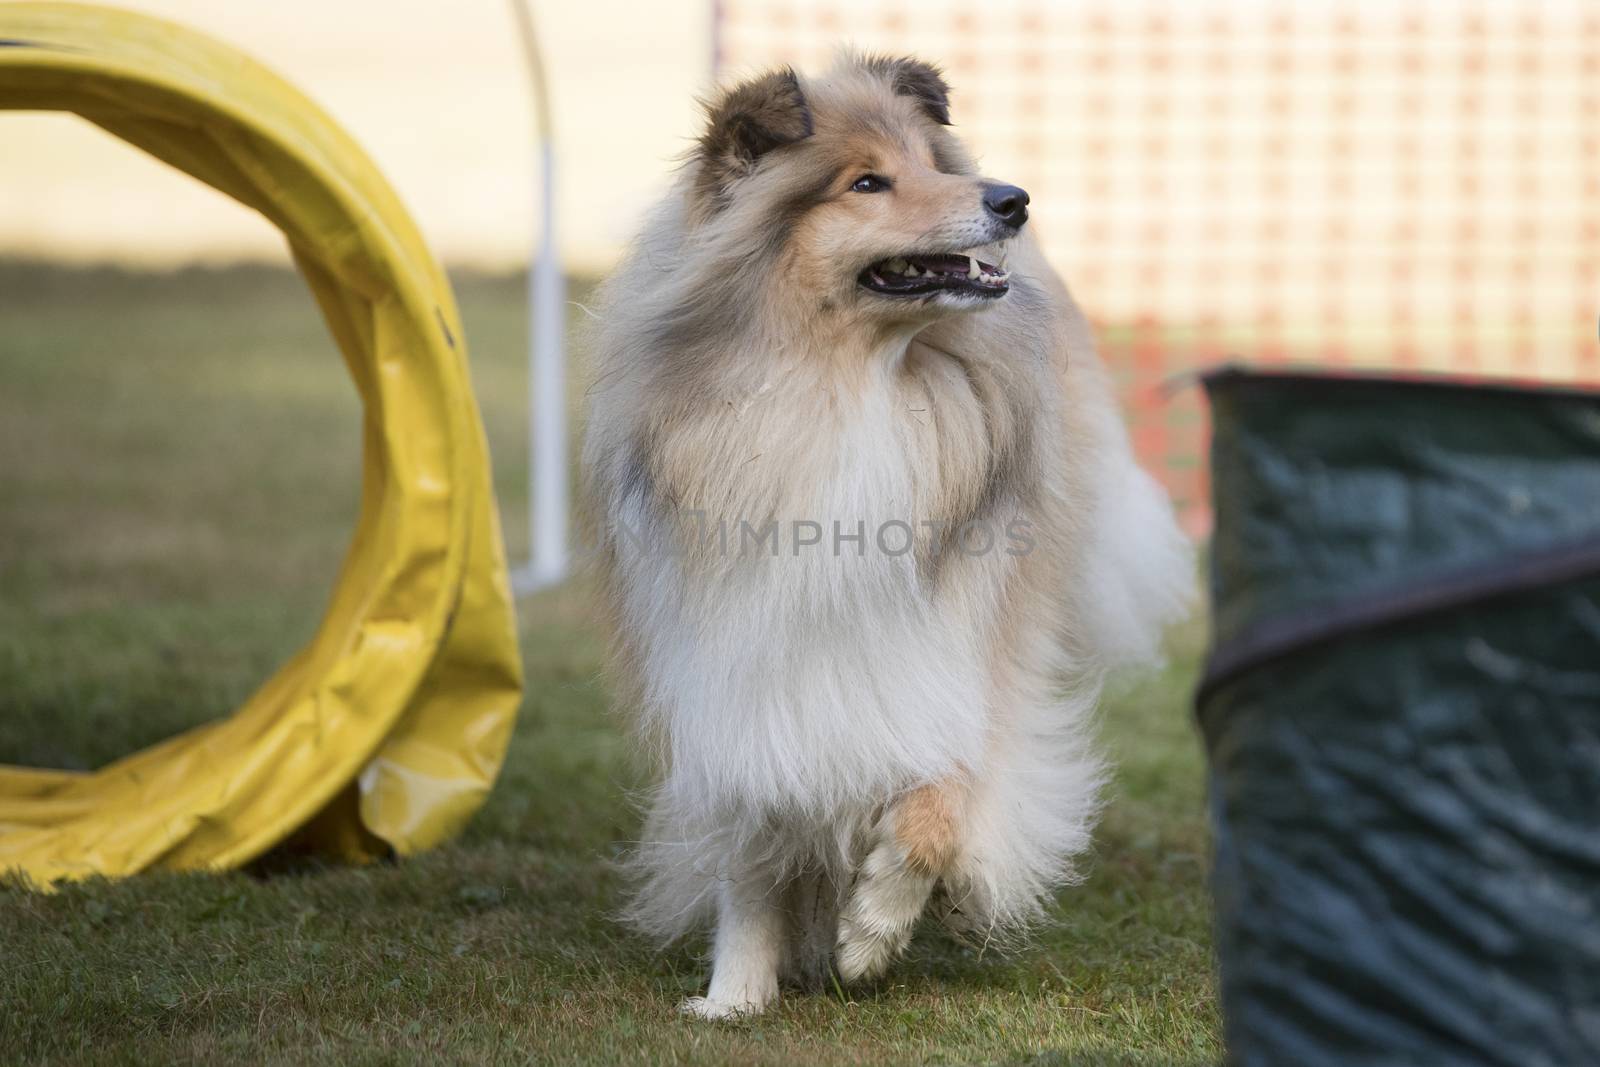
(920, 275)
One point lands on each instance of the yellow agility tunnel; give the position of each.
(385, 733)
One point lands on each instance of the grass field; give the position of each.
(179, 479)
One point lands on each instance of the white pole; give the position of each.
(547, 389)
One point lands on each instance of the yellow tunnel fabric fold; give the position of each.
(388, 729)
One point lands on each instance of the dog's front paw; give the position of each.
(881, 913)
(866, 948)
(709, 1008)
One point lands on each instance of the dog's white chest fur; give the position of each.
(825, 674)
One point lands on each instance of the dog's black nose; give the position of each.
(1008, 203)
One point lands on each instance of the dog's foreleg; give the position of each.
(913, 844)
(746, 952)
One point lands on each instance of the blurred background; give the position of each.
(1396, 184)
(1411, 185)
(1414, 185)
(439, 98)
(1356, 183)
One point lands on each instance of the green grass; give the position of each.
(179, 477)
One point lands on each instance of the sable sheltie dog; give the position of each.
(870, 532)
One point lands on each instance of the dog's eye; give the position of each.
(869, 183)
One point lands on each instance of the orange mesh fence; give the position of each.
(1355, 183)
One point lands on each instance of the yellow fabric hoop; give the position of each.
(387, 731)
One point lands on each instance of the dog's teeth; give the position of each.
(898, 266)
(912, 272)
(972, 267)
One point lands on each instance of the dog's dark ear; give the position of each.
(746, 123)
(921, 81)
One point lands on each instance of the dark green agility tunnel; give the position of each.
(1402, 716)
